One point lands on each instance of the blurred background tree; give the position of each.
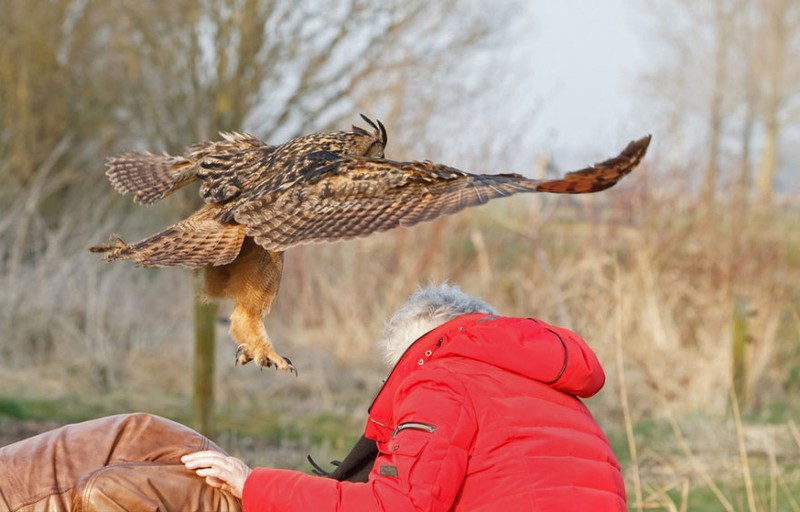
(728, 74)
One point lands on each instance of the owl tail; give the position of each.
(149, 177)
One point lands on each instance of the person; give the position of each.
(126, 462)
(480, 412)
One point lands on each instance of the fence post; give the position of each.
(739, 338)
(205, 314)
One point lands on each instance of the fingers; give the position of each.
(209, 463)
(199, 459)
(214, 481)
(219, 470)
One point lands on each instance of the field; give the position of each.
(684, 278)
(694, 312)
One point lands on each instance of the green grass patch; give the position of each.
(276, 427)
(766, 494)
(67, 409)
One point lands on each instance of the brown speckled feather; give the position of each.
(600, 176)
(195, 242)
(149, 177)
(356, 196)
(227, 167)
(222, 166)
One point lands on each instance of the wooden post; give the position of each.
(739, 336)
(205, 314)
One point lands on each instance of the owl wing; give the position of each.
(225, 166)
(149, 177)
(599, 176)
(221, 166)
(195, 242)
(341, 198)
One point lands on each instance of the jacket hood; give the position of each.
(554, 356)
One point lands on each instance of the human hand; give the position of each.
(220, 470)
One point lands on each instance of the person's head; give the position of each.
(428, 308)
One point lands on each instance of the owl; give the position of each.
(260, 200)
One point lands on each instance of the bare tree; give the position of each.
(780, 91)
(749, 49)
(728, 74)
(690, 80)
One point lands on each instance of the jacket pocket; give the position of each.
(414, 425)
(399, 455)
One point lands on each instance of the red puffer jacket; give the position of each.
(480, 414)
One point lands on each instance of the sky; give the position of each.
(560, 84)
(587, 56)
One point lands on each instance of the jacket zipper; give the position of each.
(414, 425)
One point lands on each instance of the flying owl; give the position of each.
(261, 200)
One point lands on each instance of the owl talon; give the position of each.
(291, 368)
(244, 356)
(277, 362)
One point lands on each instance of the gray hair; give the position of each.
(425, 310)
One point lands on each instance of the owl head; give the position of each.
(358, 142)
(368, 144)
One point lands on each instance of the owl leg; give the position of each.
(252, 280)
(248, 329)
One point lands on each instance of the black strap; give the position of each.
(355, 467)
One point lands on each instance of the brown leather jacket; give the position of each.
(127, 462)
